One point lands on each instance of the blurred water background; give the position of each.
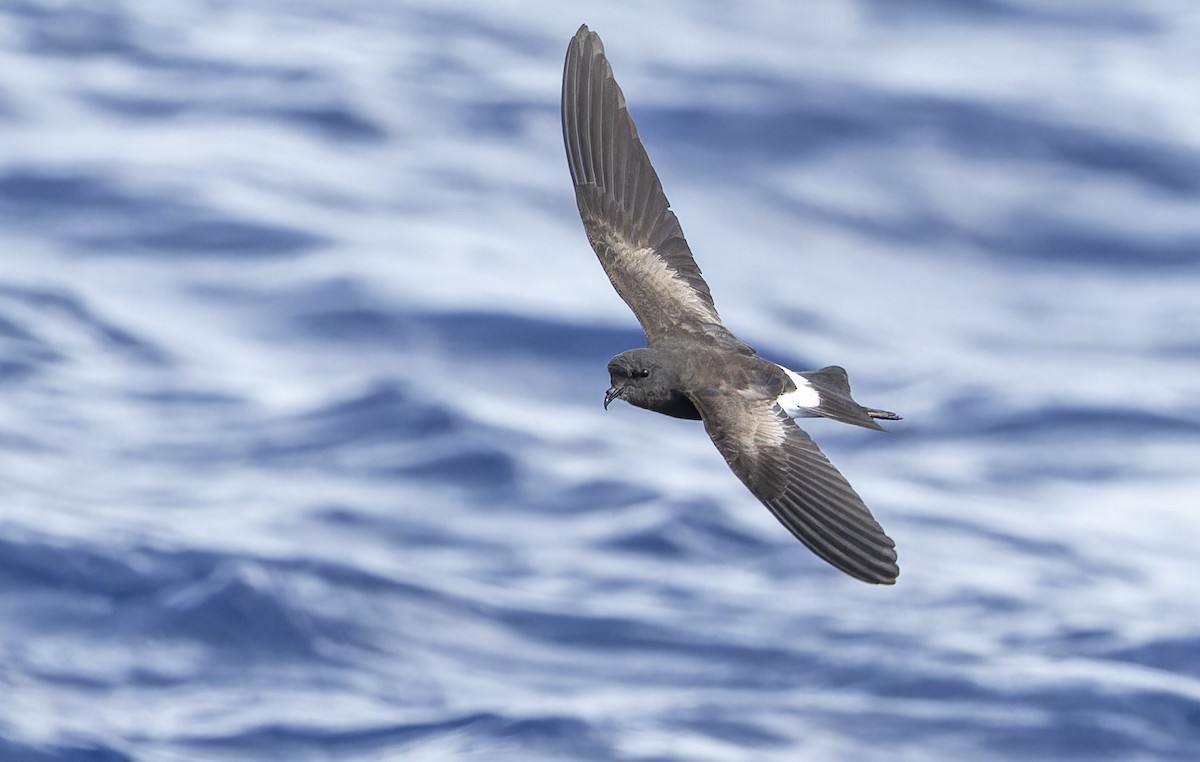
(302, 351)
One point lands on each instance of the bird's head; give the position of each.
(637, 376)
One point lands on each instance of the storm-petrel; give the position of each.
(694, 367)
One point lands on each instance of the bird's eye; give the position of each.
(643, 373)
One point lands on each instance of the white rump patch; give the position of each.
(800, 403)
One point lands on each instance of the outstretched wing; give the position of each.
(784, 469)
(627, 218)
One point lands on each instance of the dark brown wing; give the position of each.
(784, 469)
(627, 218)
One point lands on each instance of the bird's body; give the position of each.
(694, 367)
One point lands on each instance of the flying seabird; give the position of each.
(694, 367)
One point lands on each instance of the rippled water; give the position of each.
(302, 351)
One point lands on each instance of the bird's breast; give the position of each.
(677, 405)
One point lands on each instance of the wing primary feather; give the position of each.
(857, 550)
(608, 129)
(869, 571)
(572, 135)
(595, 121)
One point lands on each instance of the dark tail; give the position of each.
(833, 386)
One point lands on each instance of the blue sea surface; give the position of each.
(302, 354)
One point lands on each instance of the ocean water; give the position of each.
(302, 353)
